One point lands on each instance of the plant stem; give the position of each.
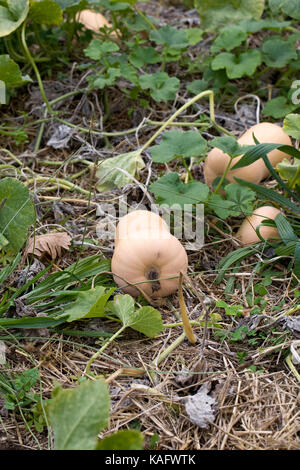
(184, 315)
(105, 345)
(36, 70)
(193, 100)
(219, 185)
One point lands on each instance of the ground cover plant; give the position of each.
(98, 121)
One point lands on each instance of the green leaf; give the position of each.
(194, 35)
(107, 79)
(195, 87)
(278, 53)
(231, 310)
(291, 125)
(289, 171)
(8, 270)
(230, 37)
(296, 269)
(228, 145)
(254, 26)
(10, 72)
(270, 195)
(141, 56)
(285, 229)
(111, 177)
(221, 207)
(162, 87)
(97, 49)
(289, 7)
(278, 107)
(241, 197)
(231, 259)
(214, 13)
(46, 12)
(12, 15)
(170, 190)
(168, 36)
(78, 415)
(146, 320)
(237, 66)
(17, 213)
(89, 304)
(178, 144)
(122, 440)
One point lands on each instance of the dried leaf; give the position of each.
(201, 407)
(50, 243)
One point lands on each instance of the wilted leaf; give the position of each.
(289, 171)
(109, 174)
(78, 415)
(201, 407)
(49, 243)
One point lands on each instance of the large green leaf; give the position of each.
(46, 12)
(12, 15)
(162, 87)
(110, 172)
(289, 171)
(278, 53)
(77, 415)
(237, 66)
(214, 13)
(17, 213)
(89, 304)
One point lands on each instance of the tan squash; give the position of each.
(136, 221)
(148, 257)
(247, 231)
(92, 20)
(217, 161)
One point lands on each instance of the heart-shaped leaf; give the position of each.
(12, 15)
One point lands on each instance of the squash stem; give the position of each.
(184, 315)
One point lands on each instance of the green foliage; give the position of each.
(17, 213)
(10, 72)
(78, 415)
(122, 440)
(88, 304)
(214, 13)
(12, 15)
(288, 7)
(291, 125)
(278, 107)
(239, 65)
(278, 53)
(178, 144)
(170, 36)
(161, 86)
(146, 320)
(290, 172)
(98, 49)
(46, 12)
(230, 37)
(170, 190)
